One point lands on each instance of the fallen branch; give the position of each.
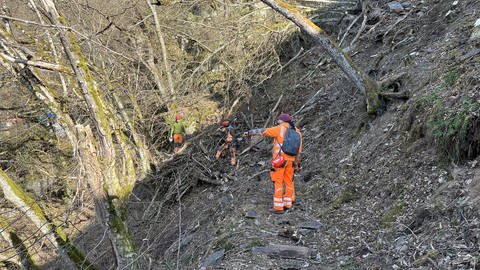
(229, 114)
(38, 64)
(348, 29)
(309, 102)
(364, 23)
(272, 111)
(397, 22)
(249, 125)
(281, 67)
(252, 144)
(257, 174)
(394, 95)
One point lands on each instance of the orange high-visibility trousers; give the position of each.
(177, 142)
(280, 177)
(233, 153)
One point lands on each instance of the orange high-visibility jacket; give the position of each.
(278, 135)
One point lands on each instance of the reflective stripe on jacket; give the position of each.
(278, 133)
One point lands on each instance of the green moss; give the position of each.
(74, 254)
(18, 192)
(256, 242)
(211, 77)
(392, 214)
(431, 99)
(450, 126)
(344, 197)
(431, 254)
(351, 264)
(451, 77)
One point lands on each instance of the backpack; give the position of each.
(291, 141)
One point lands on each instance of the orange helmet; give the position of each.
(178, 117)
(226, 123)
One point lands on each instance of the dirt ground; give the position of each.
(375, 192)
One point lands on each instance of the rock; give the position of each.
(261, 163)
(395, 7)
(59, 131)
(186, 240)
(476, 31)
(406, 4)
(312, 225)
(285, 251)
(213, 259)
(449, 15)
(251, 214)
(293, 265)
(304, 231)
(289, 233)
(284, 221)
(401, 244)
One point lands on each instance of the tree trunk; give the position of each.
(22, 256)
(73, 258)
(361, 80)
(103, 205)
(117, 185)
(164, 49)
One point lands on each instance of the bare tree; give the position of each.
(357, 76)
(15, 195)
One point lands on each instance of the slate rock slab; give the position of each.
(284, 251)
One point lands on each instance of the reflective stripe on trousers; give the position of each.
(280, 177)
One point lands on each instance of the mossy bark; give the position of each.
(16, 196)
(22, 256)
(117, 187)
(369, 87)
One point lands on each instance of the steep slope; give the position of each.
(376, 192)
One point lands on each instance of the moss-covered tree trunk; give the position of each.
(21, 255)
(358, 77)
(117, 185)
(14, 194)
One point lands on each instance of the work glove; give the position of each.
(170, 139)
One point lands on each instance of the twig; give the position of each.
(281, 67)
(257, 174)
(364, 23)
(348, 29)
(309, 102)
(272, 111)
(264, 125)
(229, 114)
(246, 121)
(397, 22)
(179, 221)
(38, 64)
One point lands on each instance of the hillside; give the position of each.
(376, 192)
(398, 189)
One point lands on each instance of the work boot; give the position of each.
(275, 211)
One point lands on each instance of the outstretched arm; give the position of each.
(267, 132)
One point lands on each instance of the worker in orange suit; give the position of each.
(177, 134)
(283, 165)
(230, 143)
